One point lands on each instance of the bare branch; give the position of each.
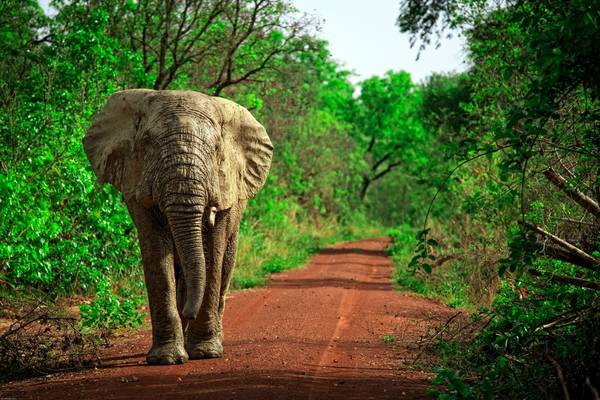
(592, 389)
(590, 261)
(565, 279)
(561, 377)
(580, 198)
(560, 253)
(574, 221)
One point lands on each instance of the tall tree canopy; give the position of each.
(388, 127)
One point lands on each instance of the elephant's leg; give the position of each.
(233, 229)
(157, 256)
(203, 335)
(227, 272)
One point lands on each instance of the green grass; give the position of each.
(388, 339)
(467, 281)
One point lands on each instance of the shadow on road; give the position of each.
(353, 250)
(263, 384)
(329, 282)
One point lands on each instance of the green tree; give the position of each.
(212, 45)
(309, 113)
(388, 126)
(444, 113)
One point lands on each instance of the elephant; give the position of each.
(186, 163)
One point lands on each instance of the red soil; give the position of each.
(312, 333)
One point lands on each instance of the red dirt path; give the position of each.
(312, 333)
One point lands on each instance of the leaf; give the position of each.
(502, 269)
(421, 234)
(427, 268)
(433, 242)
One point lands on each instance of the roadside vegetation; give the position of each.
(486, 180)
(513, 231)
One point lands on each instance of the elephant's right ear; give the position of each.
(109, 142)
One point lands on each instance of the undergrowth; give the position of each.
(41, 339)
(534, 339)
(536, 342)
(277, 234)
(464, 277)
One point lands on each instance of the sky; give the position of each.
(364, 38)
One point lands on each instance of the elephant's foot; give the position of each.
(210, 348)
(167, 354)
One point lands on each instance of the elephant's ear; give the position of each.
(246, 156)
(109, 142)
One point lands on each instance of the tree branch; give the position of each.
(559, 253)
(389, 168)
(263, 65)
(460, 164)
(565, 279)
(580, 198)
(575, 253)
(561, 377)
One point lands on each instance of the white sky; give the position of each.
(364, 38)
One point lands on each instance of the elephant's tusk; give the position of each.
(213, 214)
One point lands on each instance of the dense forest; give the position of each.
(487, 180)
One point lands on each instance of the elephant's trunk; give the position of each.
(187, 235)
(182, 194)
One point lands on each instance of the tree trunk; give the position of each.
(365, 186)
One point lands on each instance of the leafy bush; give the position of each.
(522, 165)
(110, 311)
(537, 341)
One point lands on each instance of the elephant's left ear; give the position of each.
(258, 152)
(246, 156)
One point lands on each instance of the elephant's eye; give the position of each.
(146, 138)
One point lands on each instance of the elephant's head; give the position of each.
(184, 153)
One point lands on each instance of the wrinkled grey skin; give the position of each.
(186, 164)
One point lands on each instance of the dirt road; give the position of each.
(313, 333)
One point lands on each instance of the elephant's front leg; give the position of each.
(157, 256)
(204, 335)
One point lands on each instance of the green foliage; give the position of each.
(521, 246)
(388, 127)
(306, 246)
(444, 112)
(277, 234)
(389, 339)
(60, 232)
(110, 311)
(523, 341)
(522, 155)
(446, 285)
(424, 146)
